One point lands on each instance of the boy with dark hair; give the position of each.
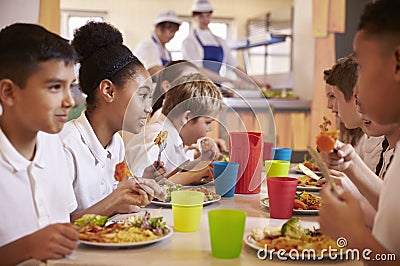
(36, 73)
(377, 52)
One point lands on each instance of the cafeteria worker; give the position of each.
(202, 44)
(152, 52)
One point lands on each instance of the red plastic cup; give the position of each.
(281, 193)
(267, 151)
(246, 149)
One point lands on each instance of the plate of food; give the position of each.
(293, 242)
(304, 203)
(134, 231)
(310, 164)
(209, 196)
(306, 183)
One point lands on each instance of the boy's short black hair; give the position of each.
(382, 18)
(23, 46)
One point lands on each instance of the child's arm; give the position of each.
(52, 242)
(127, 197)
(348, 161)
(345, 182)
(343, 218)
(186, 178)
(155, 172)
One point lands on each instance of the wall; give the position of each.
(344, 41)
(11, 11)
(135, 17)
(303, 49)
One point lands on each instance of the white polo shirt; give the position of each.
(192, 49)
(142, 152)
(34, 193)
(92, 166)
(370, 149)
(388, 215)
(150, 52)
(388, 156)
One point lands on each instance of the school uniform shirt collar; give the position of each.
(15, 159)
(90, 139)
(173, 134)
(155, 37)
(373, 143)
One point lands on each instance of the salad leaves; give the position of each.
(93, 218)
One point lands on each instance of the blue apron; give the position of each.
(163, 60)
(211, 53)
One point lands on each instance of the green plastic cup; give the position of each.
(186, 209)
(275, 168)
(226, 232)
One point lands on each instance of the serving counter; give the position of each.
(286, 121)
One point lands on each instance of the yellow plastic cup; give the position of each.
(275, 168)
(186, 209)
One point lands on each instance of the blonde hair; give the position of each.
(194, 92)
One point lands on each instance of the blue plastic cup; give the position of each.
(283, 154)
(225, 176)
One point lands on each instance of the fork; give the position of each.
(162, 147)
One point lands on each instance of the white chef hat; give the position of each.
(201, 6)
(167, 16)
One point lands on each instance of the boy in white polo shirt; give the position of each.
(36, 72)
(377, 52)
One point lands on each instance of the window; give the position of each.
(219, 28)
(275, 58)
(72, 20)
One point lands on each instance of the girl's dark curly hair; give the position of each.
(102, 56)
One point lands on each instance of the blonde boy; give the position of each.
(188, 111)
(36, 72)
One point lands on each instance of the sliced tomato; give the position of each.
(325, 143)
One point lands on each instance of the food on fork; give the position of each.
(207, 148)
(161, 137)
(206, 144)
(327, 138)
(122, 171)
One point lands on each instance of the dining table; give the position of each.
(194, 248)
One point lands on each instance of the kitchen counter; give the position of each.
(286, 122)
(277, 105)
